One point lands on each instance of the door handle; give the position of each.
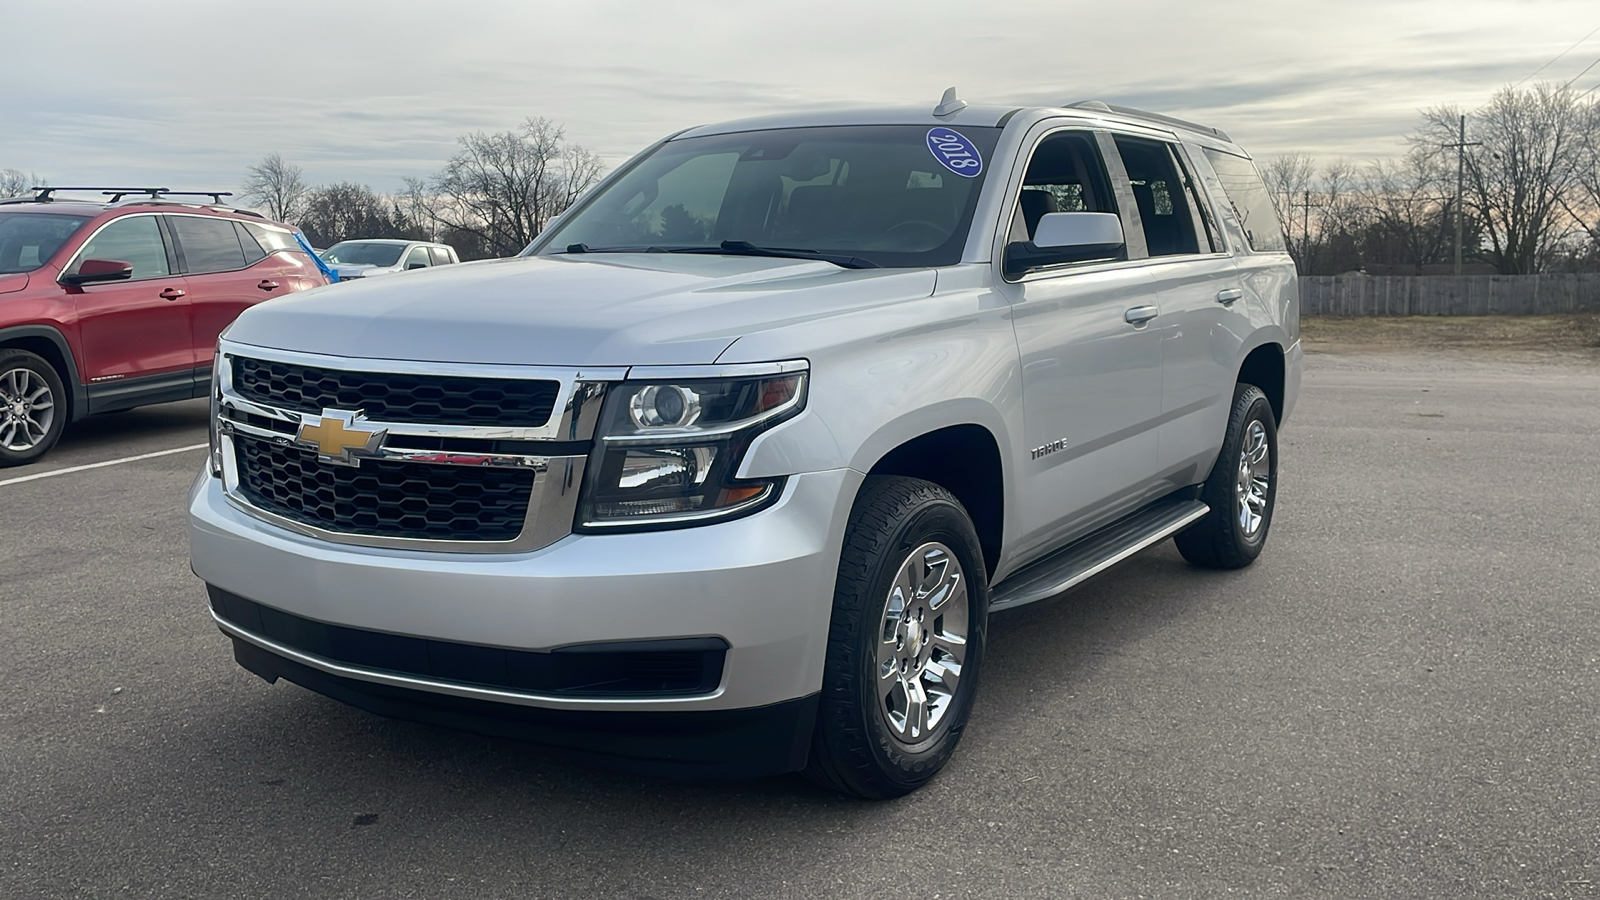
(1228, 295)
(1140, 314)
(268, 284)
(171, 294)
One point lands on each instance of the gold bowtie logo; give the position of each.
(338, 435)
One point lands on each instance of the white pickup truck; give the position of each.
(727, 471)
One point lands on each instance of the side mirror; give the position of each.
(99, 270)
(1067, 237)
(416, 266)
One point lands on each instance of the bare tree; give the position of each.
(1584, 207)
(15, 182)
(500, 190)
(348, 211)
(1409, 211)
(1520, 180)
(277, 185)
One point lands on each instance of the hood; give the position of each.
(599, 310)
(15, 281)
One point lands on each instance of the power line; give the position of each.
(1584, 72)
(1558, 57)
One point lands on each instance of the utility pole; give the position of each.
(1460, 146)
(1305, 227)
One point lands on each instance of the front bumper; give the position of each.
(763, 585)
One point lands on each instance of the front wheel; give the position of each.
(33, 407)
(1241, 489)
(906, 641)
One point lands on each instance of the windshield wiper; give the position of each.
(745, 248)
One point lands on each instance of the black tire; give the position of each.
(857, 748)
(17, 448)
(1222, 540)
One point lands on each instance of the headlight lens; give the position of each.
(667, 452)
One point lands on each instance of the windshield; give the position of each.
(892, 195)
(363, 253)
(28, 240)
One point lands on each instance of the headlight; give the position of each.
(666, 451)
(216, 411)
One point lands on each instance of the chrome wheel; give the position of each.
(1255, 479)
(27, 409)
(922, 642)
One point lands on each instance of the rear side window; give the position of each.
(135, 240)
(1248, 197)
(209, 245)
(1162, 198)
(441, 256)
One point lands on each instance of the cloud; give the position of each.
(183, 91)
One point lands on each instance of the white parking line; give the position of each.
(101, 465)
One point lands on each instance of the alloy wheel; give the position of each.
(922, 642)
(27, 409)
(1255, 479)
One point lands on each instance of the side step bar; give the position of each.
(1094, 554)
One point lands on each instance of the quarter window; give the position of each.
(209, 245)
(135, 240)
(271, 239)
(252, 248)
(1159, 191)
(1249, 200)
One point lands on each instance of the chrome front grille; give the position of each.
(470, 458)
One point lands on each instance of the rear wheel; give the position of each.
(1241, 489)
(33, 407)
(906, 642)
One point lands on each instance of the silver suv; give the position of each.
(727, 471)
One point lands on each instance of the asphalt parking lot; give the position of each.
(1401, 699)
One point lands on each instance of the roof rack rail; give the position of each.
(42, 194)
(1149, 116)
(159, 193)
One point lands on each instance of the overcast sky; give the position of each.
(187, 94)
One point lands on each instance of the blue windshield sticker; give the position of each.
(955, 152)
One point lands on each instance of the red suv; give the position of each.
(105, 306)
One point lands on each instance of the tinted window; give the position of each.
(209, 245)
(896, 195)
(1248, 197)
(1163, 203)
(28, 240)
(417, 257)
(136, 240)
(252, 248)
(441, 256)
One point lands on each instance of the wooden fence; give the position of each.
(1448, 295)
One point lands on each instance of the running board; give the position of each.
(1094, 554)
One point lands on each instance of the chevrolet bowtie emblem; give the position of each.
(338, 436)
